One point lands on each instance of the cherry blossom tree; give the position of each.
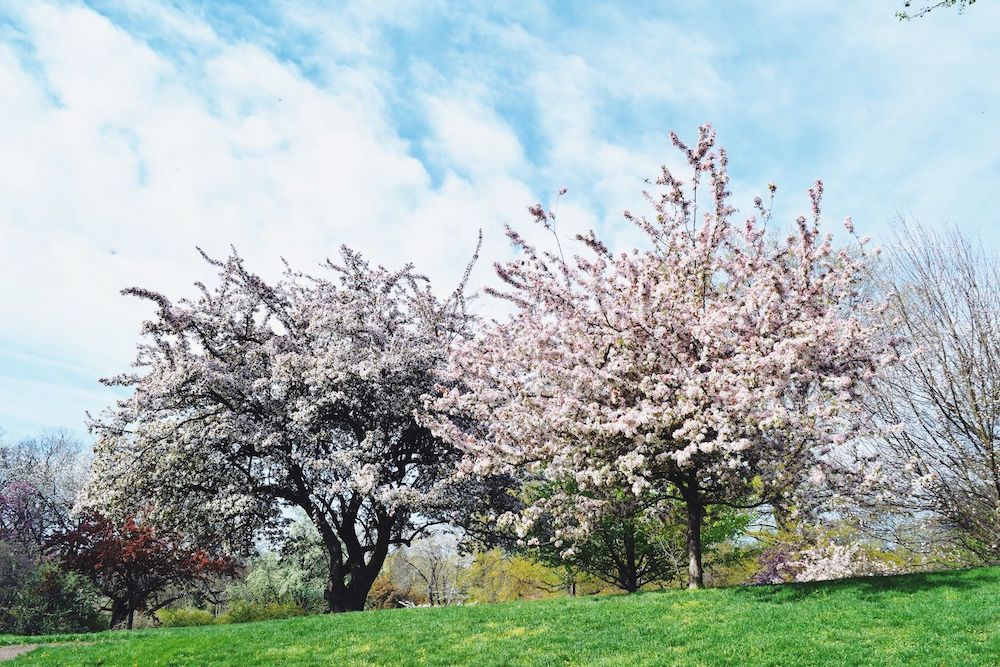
(716, 365)
(255, 397)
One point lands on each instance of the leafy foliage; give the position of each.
(53, 601)
(248, 612)
(131, 563)
(184, 617)
(271, 579)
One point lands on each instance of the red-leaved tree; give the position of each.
(134, 566)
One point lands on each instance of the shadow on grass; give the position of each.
(872, 587)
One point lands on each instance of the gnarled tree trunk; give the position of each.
(351, 576)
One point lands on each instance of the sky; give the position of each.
(131, 132)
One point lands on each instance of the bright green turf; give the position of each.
(934, 619)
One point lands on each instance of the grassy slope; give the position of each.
(933, 619)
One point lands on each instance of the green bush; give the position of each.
(16, 566)
(273, 579)
(184, 617)
(246, 612)
(53, 601)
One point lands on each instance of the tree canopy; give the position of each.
(255, 397)
(712, 366)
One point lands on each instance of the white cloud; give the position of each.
(128, 140)
(470, 137)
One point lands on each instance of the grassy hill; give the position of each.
(930, 619)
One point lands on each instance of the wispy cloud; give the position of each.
(134, 131)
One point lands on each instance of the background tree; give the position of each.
(710, 367)
(496, 576)
(940, 406)
(292, 572)
(258, 397)
(435, 565)
(634, 545)
(131, 564)
(50, 600)
(39, 480)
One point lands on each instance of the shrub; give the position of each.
(247, 612)
(273, 579)
(53, 601)
(184, 617)
(385, 595)
(820, 559)
(16, 566)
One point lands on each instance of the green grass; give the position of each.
(928, 619)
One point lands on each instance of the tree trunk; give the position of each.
(340, 597)
(630, 570)
(347, 584)
(119, 614)
(695, 515)
(131, 618)
(782, 516)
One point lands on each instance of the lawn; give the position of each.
(928, 619)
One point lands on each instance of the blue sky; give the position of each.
(134, 131)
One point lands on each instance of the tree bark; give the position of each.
(340, 597)
(630, 571)
(695, 515)
(119, 613)
(349, 580)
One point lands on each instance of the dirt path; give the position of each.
(11, 652)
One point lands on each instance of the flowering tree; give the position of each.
(712, 367)
(818, 559)
(130, 563)
(303, 393)
(39, 480)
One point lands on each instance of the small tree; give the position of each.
(710, 367)
(435, 566)
(633, 545)
(132, 564)
(51, 601)
(495, 576)
(294, 574)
